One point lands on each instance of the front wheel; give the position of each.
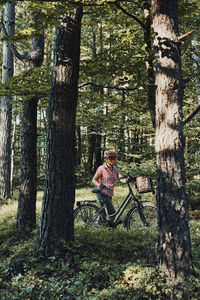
(86, 214)
(133, 220)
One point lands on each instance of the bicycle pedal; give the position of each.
(110, 224)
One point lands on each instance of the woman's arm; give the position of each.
(95, 179)
(123, 180)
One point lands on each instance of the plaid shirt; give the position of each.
(107, 178)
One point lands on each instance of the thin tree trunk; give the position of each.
(12, 154)
(59, 194)
(6, 107)
(98, 138)
(146, 27)
(94, 138)
(79, 146)
(174, 246)
(97, 151)
(121, 133)
(91, 148)
(149, 60)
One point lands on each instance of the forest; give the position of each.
(78, 78)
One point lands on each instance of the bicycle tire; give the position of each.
(134, 222)
(83, 215)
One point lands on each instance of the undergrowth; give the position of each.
(101, 263)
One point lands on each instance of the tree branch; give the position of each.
(108, 87)
(184, 35)
(195, 112)
(11, 46)
(128, 14)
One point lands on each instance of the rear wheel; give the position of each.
(86, 214)
(134, 222)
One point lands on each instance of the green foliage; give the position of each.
(29, 83)
(193, 193)
(147, 168)
(115, 60)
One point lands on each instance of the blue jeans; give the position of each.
(105, 199)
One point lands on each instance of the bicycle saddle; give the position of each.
(98, 189)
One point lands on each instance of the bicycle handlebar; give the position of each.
(133, 180)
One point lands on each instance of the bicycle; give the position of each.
(140, 216)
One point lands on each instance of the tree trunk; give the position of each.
(26, 214)
(59, 194)
(13, 140)
(174, 245)
(6, 107)
(121, 131)
(91, 149)
(149, 61)
(98, 138)
(97, 152)
(79, 146)
(146, 27)
(94, 138)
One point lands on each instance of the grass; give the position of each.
(100, 264)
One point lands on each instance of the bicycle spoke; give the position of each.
(84, 215)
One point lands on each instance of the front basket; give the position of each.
(144, 184)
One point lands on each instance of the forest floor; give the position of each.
(101, 263)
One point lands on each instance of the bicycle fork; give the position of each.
(140, 212)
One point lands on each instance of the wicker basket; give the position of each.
(144, 184)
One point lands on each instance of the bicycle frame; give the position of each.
(124, 204)
(122, 207)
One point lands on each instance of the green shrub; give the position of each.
(100, 264)
(193, 193)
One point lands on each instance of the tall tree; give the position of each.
(174, 245)
(57, 212)
(94, 131)
(28, 181)
(146, 27)
(26, 214)
(6, 107)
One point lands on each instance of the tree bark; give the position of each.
(6, 107)
(59, 194)
(26, 214)
(174, 245)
